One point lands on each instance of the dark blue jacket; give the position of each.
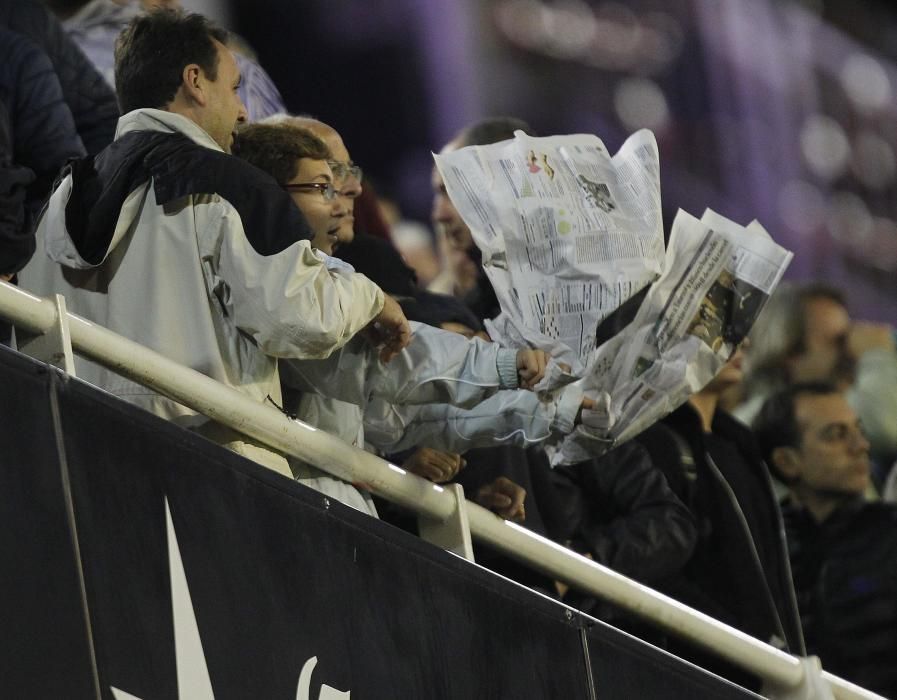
(90, 99)
(16, 241)
(39, 138)
(845, 574)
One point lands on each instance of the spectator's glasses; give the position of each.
(342, 170)
(327, 190)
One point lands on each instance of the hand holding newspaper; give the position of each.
(568, 234)
(717, 278)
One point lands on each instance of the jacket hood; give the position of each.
(97, 189)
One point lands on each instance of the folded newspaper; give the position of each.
(568, 233)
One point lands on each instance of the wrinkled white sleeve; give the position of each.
(518, 418)
(874, 398)
(436, 367)
(289, 302)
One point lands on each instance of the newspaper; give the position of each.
(717, 278)
(567, 232)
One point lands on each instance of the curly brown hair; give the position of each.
(277, 148)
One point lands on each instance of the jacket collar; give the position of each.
(146, 119)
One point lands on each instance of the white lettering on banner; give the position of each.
(192, 671)
(327, 693)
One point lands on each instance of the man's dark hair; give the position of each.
(152, 52)
(776, 423)
(276, 148)
(492, 130)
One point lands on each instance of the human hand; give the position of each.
(503, 497)
(865, 335)
(389, 331)
(531, 367)
(587, 404)
(434, 465)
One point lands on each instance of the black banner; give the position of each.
(143, 562)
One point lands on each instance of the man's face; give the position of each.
(223, 109)
(456, 234)
(825, 356)
(324, 217)
(833, 455)
(446, 218)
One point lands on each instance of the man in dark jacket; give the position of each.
(843, 549)
(739, 571)
(37, 138)
(621, 512)
(16, 245)
(42, 131)
(91, 101)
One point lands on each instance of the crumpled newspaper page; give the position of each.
(568, 234)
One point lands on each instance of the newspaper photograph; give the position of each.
(717, 278)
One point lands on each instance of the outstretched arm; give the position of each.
(436, 367)
(519, 418)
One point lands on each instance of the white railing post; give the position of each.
(453, 533)
(813, 686)
(53, 346)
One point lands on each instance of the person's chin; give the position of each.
(330, 244)
(345, 235)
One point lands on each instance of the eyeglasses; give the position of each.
(327, 190)
(342, 170)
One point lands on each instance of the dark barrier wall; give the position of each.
(141, 558)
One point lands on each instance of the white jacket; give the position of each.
(195, 254)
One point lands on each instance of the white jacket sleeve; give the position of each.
(436, 367)
(518, 418)
(289, 303)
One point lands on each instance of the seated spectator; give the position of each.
(91, 101)
(805, 334)
(843, 549)
(739, 570)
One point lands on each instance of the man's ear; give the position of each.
(787, 462)
(193, 84)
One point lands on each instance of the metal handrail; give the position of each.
(269, 426)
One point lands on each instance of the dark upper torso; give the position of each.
(845, 575)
